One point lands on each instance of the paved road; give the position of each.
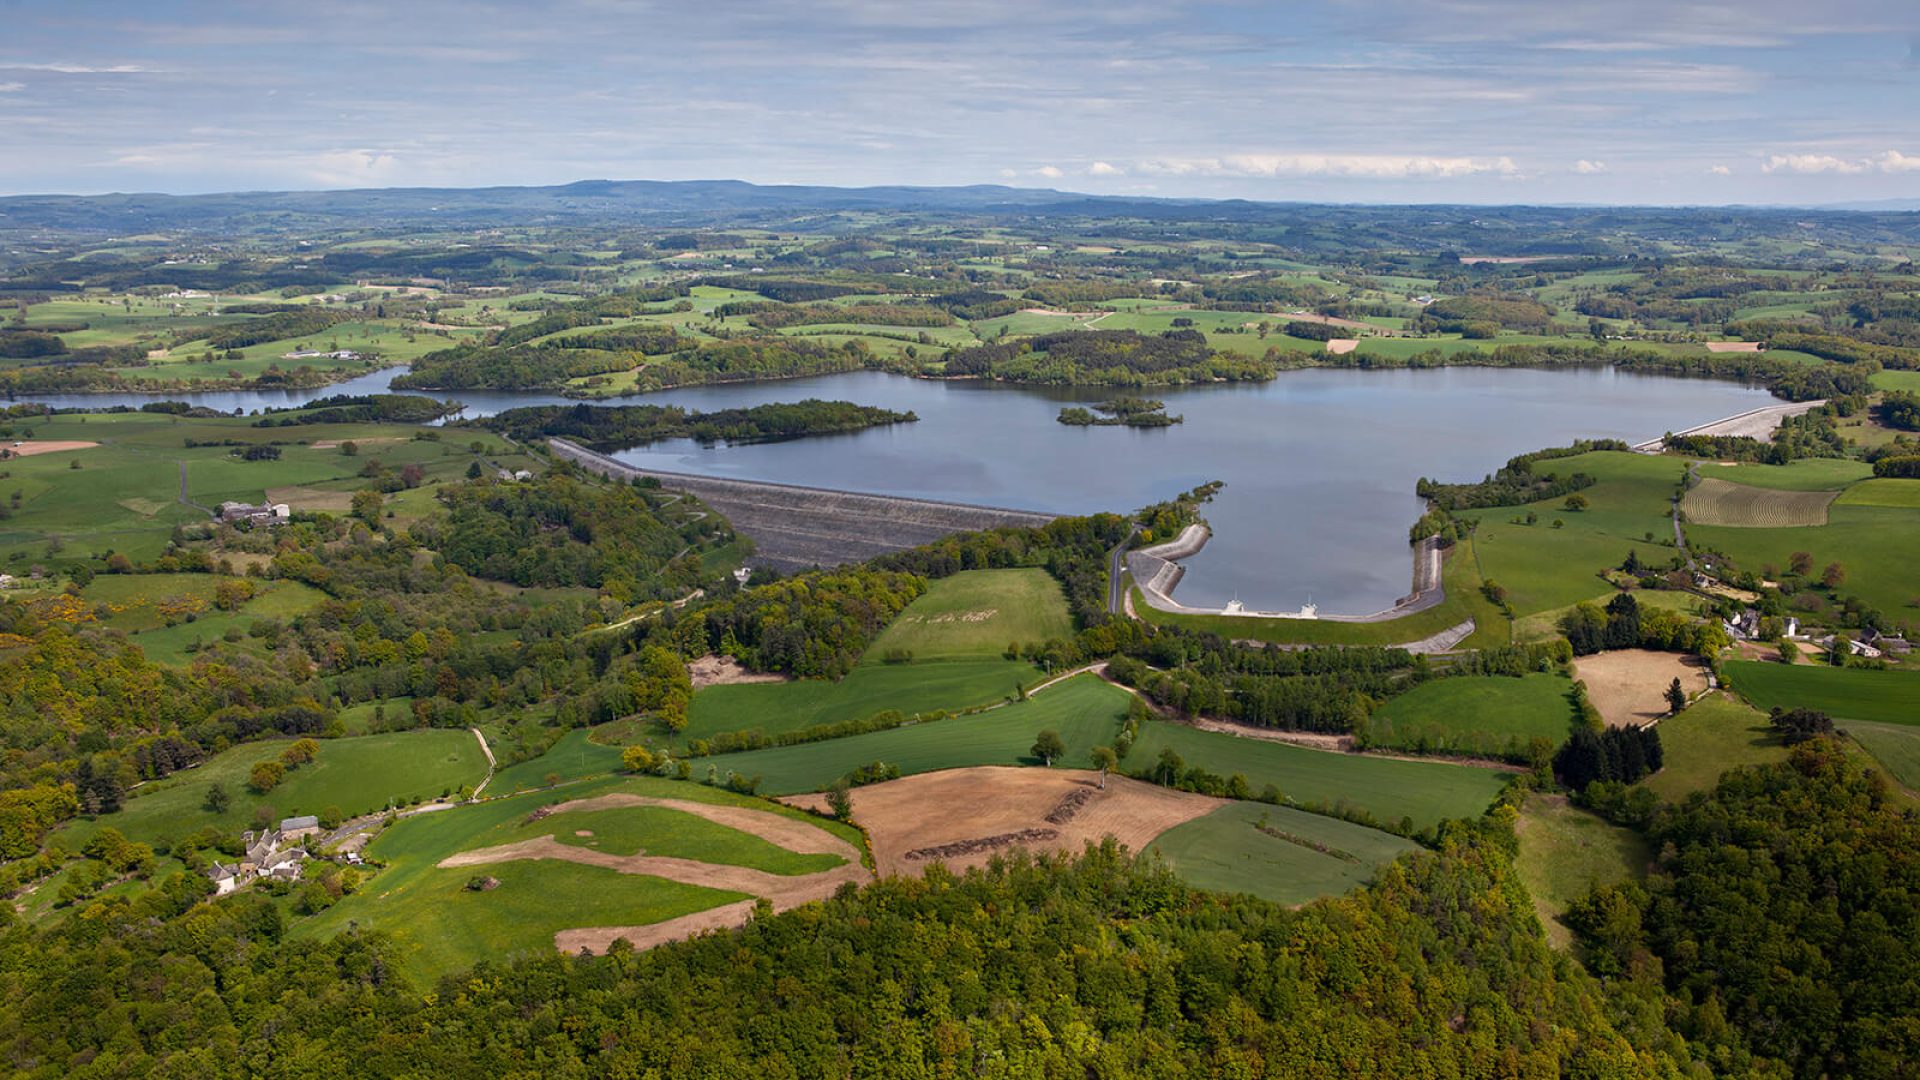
(183, 494)
(1116, 559)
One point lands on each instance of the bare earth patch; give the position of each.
(783, 891)
(334, 444)
(1629, 686)
(725, 670)
(25, 448)
(1340, 345)
(934, 811)
(306, 498)
(1733, 346)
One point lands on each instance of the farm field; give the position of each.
(977, 614)
(1543, 567)
(1085, 710)
(1718, 502)
(872, 687)
(443, 925)
(1235, 849)
(1873, 544)
(1895, 746)
(356, 775)
(1390, 789)
(1806, 474)
(1480, 714)
(1901, 494)
(1628, 686)
(573, 757)
(1891, 697)
(1566, 851)
(1717, 733)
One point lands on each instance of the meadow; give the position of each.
(355, 775)
(1714, 734)
(1894, 746)
(977, 614)
(1565, 852)
(443, 926)
(1891, 697)
(1873, 544)
(1481, 714)
(1085, 710)
(1390, 789)
(872, 687)
(1235, 849)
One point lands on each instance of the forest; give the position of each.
(617, 427)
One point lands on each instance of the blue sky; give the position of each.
(1624, 101)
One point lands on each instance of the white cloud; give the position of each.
(1008, 174)
(1887, 161)
(346, 168)
(1049, 171)
(1809, 163)
(1363, 166)
(1720, 170)
(80, 69)
(12, 87)
(1589, 168)
(1101, 168)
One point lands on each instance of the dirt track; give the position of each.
(783, 891)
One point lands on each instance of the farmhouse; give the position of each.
(263, 514)
(269, 853)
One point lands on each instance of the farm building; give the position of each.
(269, 853)
(262, 514)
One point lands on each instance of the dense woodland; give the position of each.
(617, 427)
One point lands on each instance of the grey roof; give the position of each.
(310, 821)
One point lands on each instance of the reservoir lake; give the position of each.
(1319, 464)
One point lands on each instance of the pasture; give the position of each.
(1895, 746)
(442, 925)
(977, 614)
(1543, 567)
(1277, 853)
(1891, 697)
(1716, 733)
(357, 775)
(1085, 710)
(1741, 506)
(1391, 789)
(1806, 474)
(1481, 714)
(1899, 494)
(1565, 852)
(1873, 544)
(912, 689)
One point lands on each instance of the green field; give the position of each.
(1807, 474)
(1714, 734)
(1085, 710)
(1874, 544)
(1566, 851)
(1227, 851)
(356, 775)
(1388, 788)
(1543, 568)
(442, 926)
(1459, 574)
(1545, 625)
(912, 689)
(574, 757)
(1482, 714)
(1901, 494)
(1895, 746)
(1891, 697)
(977, 614)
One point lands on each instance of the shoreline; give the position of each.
(1157, 572)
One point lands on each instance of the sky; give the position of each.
(1489, 101)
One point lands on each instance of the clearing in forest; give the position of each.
(977, 614)
(1566, 851)
(1719, 502)
(1278, 853)
(1476, 714)
(1629, 686)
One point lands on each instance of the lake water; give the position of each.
(1319, 464)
